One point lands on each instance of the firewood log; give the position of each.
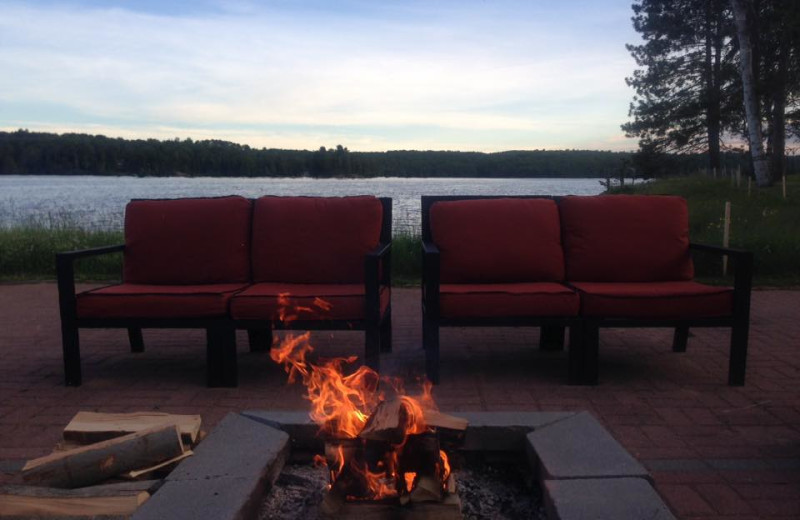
(88, 427)
(94, 463)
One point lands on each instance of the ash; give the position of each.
(296, 494)
(499, 491)
(496, 490)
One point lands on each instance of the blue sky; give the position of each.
(369, 75)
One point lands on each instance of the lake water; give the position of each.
(95, 202)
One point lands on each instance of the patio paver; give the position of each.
(713, 451)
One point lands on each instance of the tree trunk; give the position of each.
(712, 98)
(778, 100)
(740, 10)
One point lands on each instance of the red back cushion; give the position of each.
(187, 241)
(498, 240)
(626, 238)
(314, 239)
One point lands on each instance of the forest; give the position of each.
(23, 152)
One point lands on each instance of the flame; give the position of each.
(444, 466)
(341, 403)
(409, 477)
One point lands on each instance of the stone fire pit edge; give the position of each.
(582, 470)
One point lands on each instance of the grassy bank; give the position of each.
(28, 253)
(762, 221)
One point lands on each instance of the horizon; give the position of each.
(424, 76)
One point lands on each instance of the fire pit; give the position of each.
(387, 453)
(581, 470)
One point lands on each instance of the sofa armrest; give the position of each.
(708, 248)
(742, 277)
(377, 274)
(65, 275)
(430, 279)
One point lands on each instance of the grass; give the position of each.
(762, 221)
(28, 252)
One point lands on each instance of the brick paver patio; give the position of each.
(715, 452)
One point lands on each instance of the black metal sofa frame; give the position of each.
(221, 358)
(584, 331)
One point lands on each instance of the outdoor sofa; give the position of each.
(224, 263)
(576, 262)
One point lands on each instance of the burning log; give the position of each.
(437, 419)
(388, 422)
(90, 464)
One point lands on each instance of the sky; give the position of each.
(371, 75)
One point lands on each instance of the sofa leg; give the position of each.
(551, 337)
(221, 367)
(430, 342)
(260, 340)
(386, 333)
(135, 338)
(576, 354)
(372, 346)
(738, 356)
(70, 341)
(680, 338)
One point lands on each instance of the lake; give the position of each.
(98, 202)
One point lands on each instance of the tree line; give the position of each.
(24, 152)
(717, 75)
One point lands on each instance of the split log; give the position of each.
(108, 500)
(437, 419)
(89, 427)
(162, 468)
(387, 422)
(96, 462)
(420, 454)
(428, 488)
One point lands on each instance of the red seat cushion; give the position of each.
(498, 240)
(681, 299)
(626, 238)
(260, 301)
(157, 301)
(314, 239)
(507, 300)
(187, 241)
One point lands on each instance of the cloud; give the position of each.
(374, 77)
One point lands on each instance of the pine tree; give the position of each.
(686, 76)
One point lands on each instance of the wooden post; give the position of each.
(784, 184)
(726, 235)
(749, 187)
(739, 177)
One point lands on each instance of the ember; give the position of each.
(380, 443)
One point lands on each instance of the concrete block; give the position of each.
(579, 447)
(226, 478)
(504, 431)
(302, 431)
(604, 499)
